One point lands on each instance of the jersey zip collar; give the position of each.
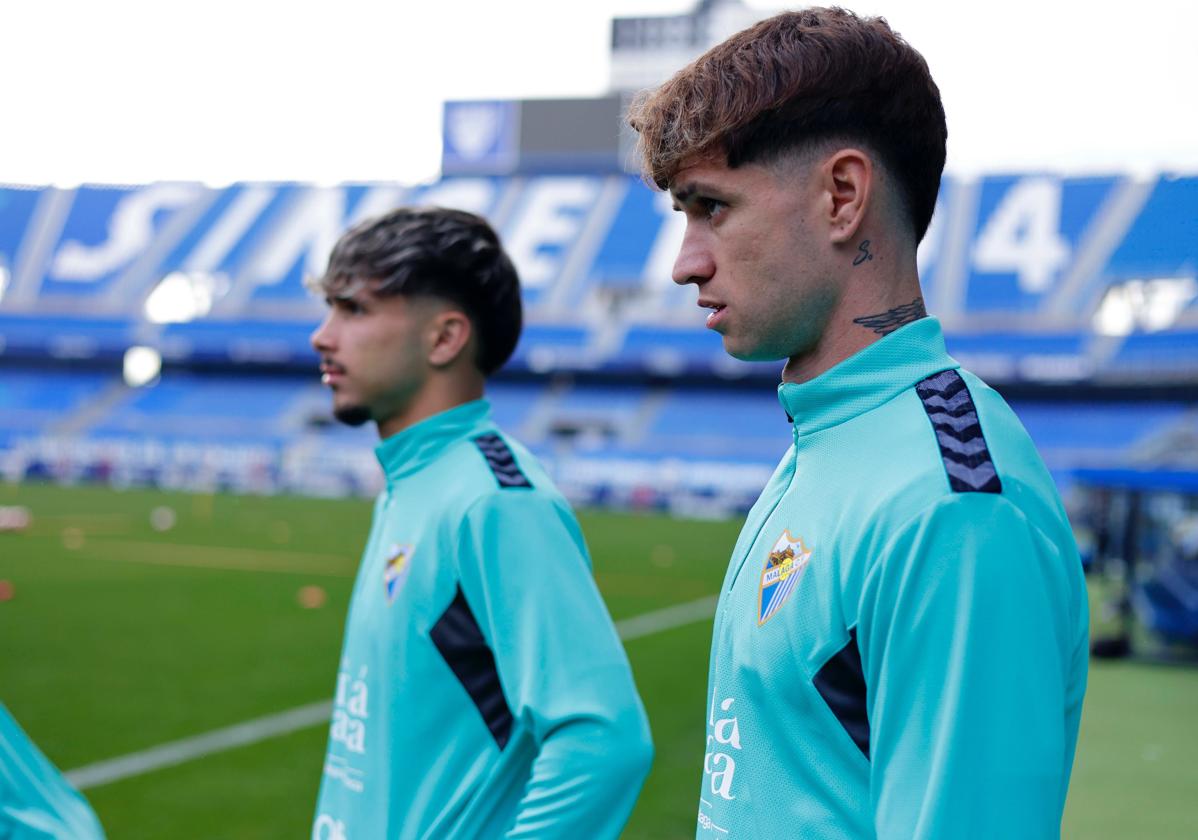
(868, 378)
(408, 450)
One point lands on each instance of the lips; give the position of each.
(715, 313)
(331, 373)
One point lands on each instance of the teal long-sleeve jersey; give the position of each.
(483, 691)
(36, 801)
(900, 647)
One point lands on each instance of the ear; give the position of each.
(449, 333)
(848, 181)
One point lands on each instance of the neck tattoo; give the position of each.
(887, 322)
(863, 253)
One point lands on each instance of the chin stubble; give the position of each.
(352, 415)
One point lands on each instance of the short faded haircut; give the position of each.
(794, 81)
(434, 252)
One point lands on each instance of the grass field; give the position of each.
(120, 637)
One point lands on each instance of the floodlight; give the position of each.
(182, 297)
(142, 366)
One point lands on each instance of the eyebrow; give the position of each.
(335, 298)
(686, 193)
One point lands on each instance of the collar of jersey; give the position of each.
(407, 451)
(868, 378)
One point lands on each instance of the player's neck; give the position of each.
(875, 304)
(438, 394)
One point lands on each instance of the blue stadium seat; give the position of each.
(246, 410)
(35, 402)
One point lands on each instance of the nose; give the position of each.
(322, 336)
(695, 262)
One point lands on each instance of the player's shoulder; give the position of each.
(495, 466)
(969, 436)
(503, 460)
(951, 442)
(985, 459)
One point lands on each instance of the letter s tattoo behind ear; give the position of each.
(865, 255)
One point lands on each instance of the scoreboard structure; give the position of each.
(542, 136)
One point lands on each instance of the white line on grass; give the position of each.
(666, 618)
(302, 717)
(218, 740)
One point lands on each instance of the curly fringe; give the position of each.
(796, 78)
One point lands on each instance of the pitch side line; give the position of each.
(666, 618)
(218, 740)
(302, 717)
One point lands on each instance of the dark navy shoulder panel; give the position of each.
(963, 448)
(841, 682)
(501, 461)
(464, 649)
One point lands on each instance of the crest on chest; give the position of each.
(396, 569)
(784, 567)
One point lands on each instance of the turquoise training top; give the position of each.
(900, 647)
(483, 691)
(36, 801)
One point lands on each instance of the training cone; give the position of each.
(311, 597)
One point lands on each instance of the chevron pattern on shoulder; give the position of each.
(501, 461)
(963, 448)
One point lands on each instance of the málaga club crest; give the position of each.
(784, 567)
(396, 569)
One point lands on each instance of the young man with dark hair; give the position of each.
(900, 648)
(482, 691)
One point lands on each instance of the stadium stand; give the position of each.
(33, 403)
(1076, 296)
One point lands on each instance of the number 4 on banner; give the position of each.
(1023, 236)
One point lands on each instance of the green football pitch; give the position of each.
(128, 629)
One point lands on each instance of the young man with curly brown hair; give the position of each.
(900, 648)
